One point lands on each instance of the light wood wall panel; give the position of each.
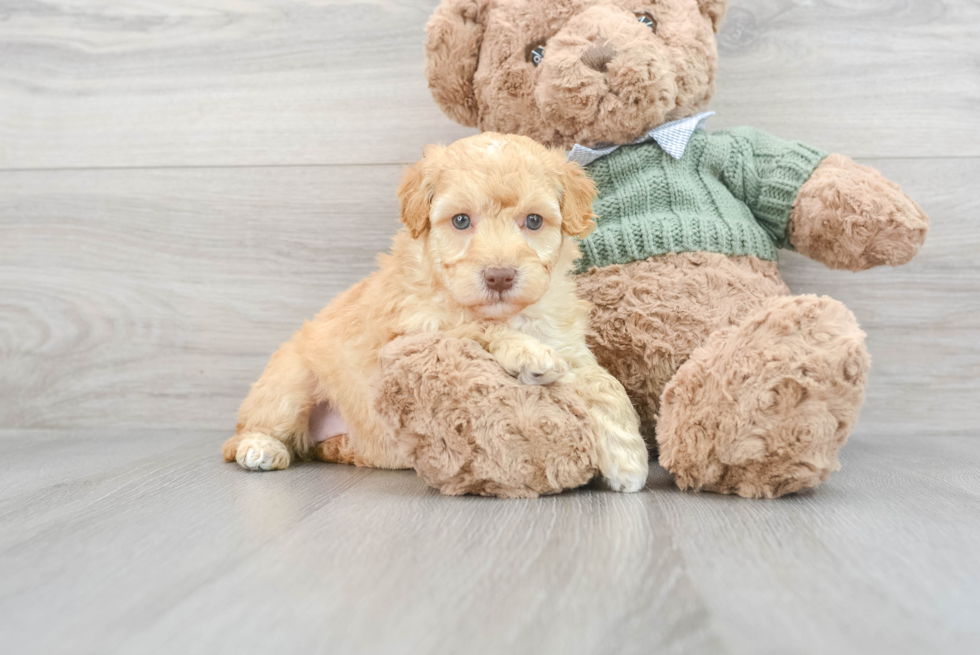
(122, 83)
(137, 297)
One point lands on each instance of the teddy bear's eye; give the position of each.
(646, 19)
(461, 222)
(537, 54)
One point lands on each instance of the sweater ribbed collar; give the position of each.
(673, 137)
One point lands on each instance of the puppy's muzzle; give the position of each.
(499, 279)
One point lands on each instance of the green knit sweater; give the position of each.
(732, 193)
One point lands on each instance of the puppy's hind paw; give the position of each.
(259, 452)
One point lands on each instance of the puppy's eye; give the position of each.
(461, 222)
(533, 222)
(537, 54)
(646, 19)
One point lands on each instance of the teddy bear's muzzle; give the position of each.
(605, 79)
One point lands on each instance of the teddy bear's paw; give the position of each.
(851, 217)
(762, 409)
(260, 452)
(530, 362)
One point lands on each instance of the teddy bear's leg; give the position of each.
(649, 316)
(468, 427)
(763, 407)
(623, 456)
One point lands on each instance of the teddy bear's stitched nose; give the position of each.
(598, 56)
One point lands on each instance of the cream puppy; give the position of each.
(486, 253)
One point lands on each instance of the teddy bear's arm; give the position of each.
(848, 216)
(827, 207)
(764, 172)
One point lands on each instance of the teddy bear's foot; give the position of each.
(762, 409)
(470, 428)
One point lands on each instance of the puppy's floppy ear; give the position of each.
(415, 196)
(715, 10)
(452, 53)
(577, 193)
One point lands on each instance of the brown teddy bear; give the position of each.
(742, 387)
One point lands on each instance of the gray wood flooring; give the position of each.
(142, 541)
(182, 182)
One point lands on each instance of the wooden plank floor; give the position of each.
(144, 542)
(182, 182)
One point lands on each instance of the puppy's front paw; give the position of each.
(531, 364)
(625, 465)
(260, 452)
(629, 483)
(543, 367)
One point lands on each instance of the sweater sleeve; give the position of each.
(766, 173)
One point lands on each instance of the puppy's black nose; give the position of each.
(499, 279)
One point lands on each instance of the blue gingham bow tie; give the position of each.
(673, 137)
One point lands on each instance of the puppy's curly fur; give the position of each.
(486, 255)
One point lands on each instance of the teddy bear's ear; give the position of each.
(451, 55)
(415, 196)
(715, 10)
(577, 194)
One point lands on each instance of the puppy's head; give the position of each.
(496, 215)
